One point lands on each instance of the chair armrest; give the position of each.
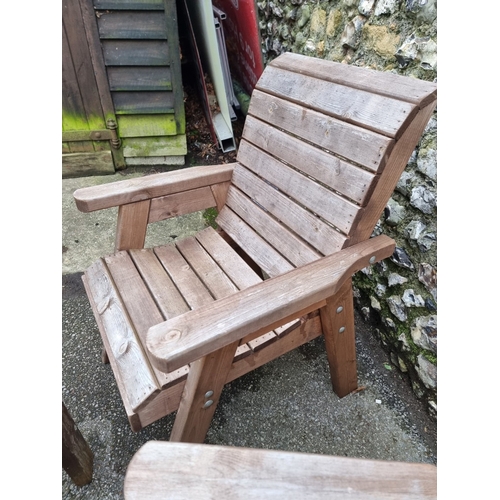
(262, 307)
(128, 191)
(165, 469)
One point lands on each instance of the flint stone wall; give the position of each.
(399, 295)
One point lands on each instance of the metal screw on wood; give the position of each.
(342, 329)
(339, 309)
(373, 259)
(208, 394)
(208, 403)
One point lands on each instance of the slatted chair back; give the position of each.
(323, 147)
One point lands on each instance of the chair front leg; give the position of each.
(202, 391)
(337, 319)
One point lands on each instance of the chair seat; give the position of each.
(131, 291)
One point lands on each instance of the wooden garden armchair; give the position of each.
(322, 149)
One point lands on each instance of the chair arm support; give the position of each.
(190, 336)
(127, 191)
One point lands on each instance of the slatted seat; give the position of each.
(323, 147)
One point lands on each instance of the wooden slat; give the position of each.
(344, 177)
(151, 186)
(139, 383)
(137, 103)
(132, 25)
(275, 233)
(263, 254)
(82, 164)
(349, 141)
(391, 175)
(146, 125)
(172, 22)
(320, 235)
(206, 268)
(94, 45)
(384, 83)
(129, 4)
(162, 470)
(80, 56)
(262, 341)
(191, 287)
(381, 114)
(81, 146)
(171, 145)
(165, 293)
(337, 210)
(242, 351)
(132, 225)
(241, 274)
(181, 203)
(262, 307)
(140, 305)
(243, 277)
(137, 78)
(72, 103)
(135, 52)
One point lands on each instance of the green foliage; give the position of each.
(210, 215)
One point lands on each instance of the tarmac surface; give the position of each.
(287, 404)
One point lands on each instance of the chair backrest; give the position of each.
(323, 147)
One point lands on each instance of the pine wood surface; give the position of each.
(363, 108)
(163, 470)
(302, 222)
(132, 225)
(132, 291)
(323, 147)
(260, 307)
(337, 318)
(342, 176)
(177, 204)
(154, 186)
(359, 145)
(327, 204)
(384, 83)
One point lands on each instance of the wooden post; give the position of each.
(77, 457)
(337, 319)
(132, 225)
(203, 388)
